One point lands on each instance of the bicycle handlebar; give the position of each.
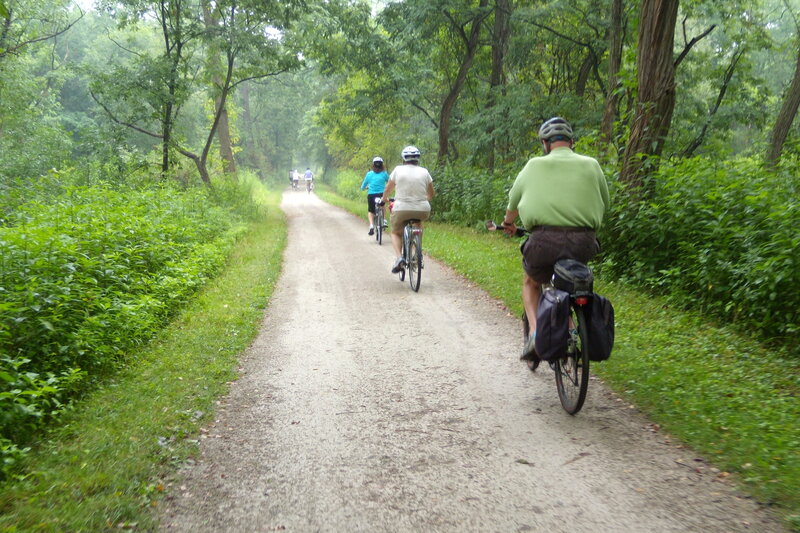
(491, 226)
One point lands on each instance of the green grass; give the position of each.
(104, 467)
(734, 401)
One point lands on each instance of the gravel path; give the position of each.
(363, 406)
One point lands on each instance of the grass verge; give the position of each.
(733, 400)
(102, 467)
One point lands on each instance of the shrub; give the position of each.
(719, 234)
(347, 183)
(90, 273)
(467, 195)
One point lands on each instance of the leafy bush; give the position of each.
(348, 184)
(719, 234)
(88, 274)
(467, 195)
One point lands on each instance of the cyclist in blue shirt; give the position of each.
(375, 183)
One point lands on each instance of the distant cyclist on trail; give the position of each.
(414, 191)
(560, 198)
(309, 177)
(375, 183)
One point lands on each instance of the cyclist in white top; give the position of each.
(414, 190)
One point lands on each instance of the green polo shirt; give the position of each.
(561, 188)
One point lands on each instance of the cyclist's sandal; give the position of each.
(529, 354)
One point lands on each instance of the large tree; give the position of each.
(791, 102)
(156, 83)
(614, 64)
(248, 38)
(655, 101)
(655, 64)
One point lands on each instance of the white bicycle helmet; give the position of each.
(377, 160)
(410, 153)
(556, 127)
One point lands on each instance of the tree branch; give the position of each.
(14, 49)
(134, 127)
(259, 77)
(458, 27)
(425, 112)
(691, 43)
(551, 30)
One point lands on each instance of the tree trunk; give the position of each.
(224, 136)
(166, 132)
(583, 74)
(502, 30)
(220, 109)
(252, 155)
(656, 93)
(449, 102)
(791, 101)
(614, 64)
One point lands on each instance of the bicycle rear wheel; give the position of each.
(379, 225)
(572, 370)
(415, 262)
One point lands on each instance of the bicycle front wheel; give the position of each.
(415, 262)
(572, 370)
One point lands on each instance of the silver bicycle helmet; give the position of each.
(556, 127)
(410, 153)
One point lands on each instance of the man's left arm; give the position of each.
(601, 178)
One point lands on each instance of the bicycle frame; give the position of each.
(412, 253)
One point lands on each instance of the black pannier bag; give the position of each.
(601, 328)
(552, 324)
(572, 276)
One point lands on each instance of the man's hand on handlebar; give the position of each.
(509, 228)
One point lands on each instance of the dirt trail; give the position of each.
(363, 406)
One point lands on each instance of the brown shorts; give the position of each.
(544, 247)
(399, 218)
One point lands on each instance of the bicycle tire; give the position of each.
(406, 235)
(572, 370)
(379, 226)
(415, 262)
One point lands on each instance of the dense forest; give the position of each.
(130, 129)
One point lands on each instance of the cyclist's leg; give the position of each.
(539, 253)
(371, 208)
(398, 221)
(531, 292)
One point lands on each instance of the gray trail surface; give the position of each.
(363, 406)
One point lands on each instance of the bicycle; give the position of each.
(379, 220)
(572, 368)
(412, 253)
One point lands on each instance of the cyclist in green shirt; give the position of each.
(560, 198)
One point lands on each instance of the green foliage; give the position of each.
(348, 183)
(721, 235)
(467, 195)
(90, 273)
(109, 458)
